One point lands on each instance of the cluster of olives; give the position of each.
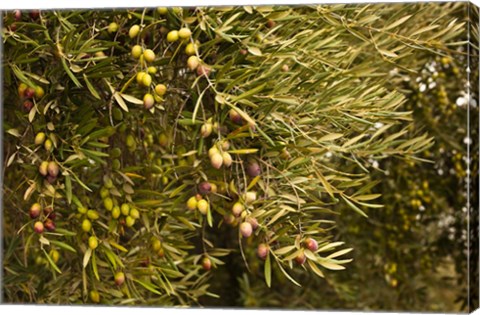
(219, 156)
(147, 57)
(18, 16)
(50, 170)
(126, 213)
(45, 217)
(28, 94)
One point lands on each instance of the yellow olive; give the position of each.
(86, 225)
(40, 138)
(136, 51)
(193, 62)
(134, 213)
(116, 212)
(130, 141)
(82, 210)
(39, 92)
(149, 55)
(92, 214)
(192, 203)
(134, 30)
(146, 80)
(163, 140)
(160, 89)
(184, 33)
(190, 49)
(125, 209)
(92, 242)
(104, 193)
(129, 221)
(108, 203)
(162, 10)
(95, 296)
(152, 70)
(202, 206)
(172, 36)
(140, 77)
(55, 255)
(156, 245)
(48, 145)
(112, 27)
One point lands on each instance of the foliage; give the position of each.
(413, 253)
(248, 132)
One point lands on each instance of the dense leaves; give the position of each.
(162, 144)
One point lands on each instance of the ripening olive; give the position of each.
(160, 89)
(148, 100)
(216, 160)
(134, 30)
(129, 221)
(184, 33)
(237, 209)
(172, 36)
(246, 229)
(38, 227)
(92, 242)
(95, 296)
(192, 203)
(202, 206)
(119, 278)
(86, 225)
(112, 27)
(149, 55)
(136, 51)
(206, 263)
(262, 251)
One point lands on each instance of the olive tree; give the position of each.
(146, 148)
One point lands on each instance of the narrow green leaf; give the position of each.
(243, 151)
(397, 23)
(330, 137)
(120, 101)
(90, 87)
(330, 265)
(315, 269)
(197, 105)
(148, 286)
(131, 99)
(268, 271)
(209, 217)
(51, 262)
(70, 74)
(68, 188)
(86, 257)
(287, 275)
(94, 266)
(255, 51)
(63, 245)
(354, 207)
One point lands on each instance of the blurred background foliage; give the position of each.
(358, 105)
